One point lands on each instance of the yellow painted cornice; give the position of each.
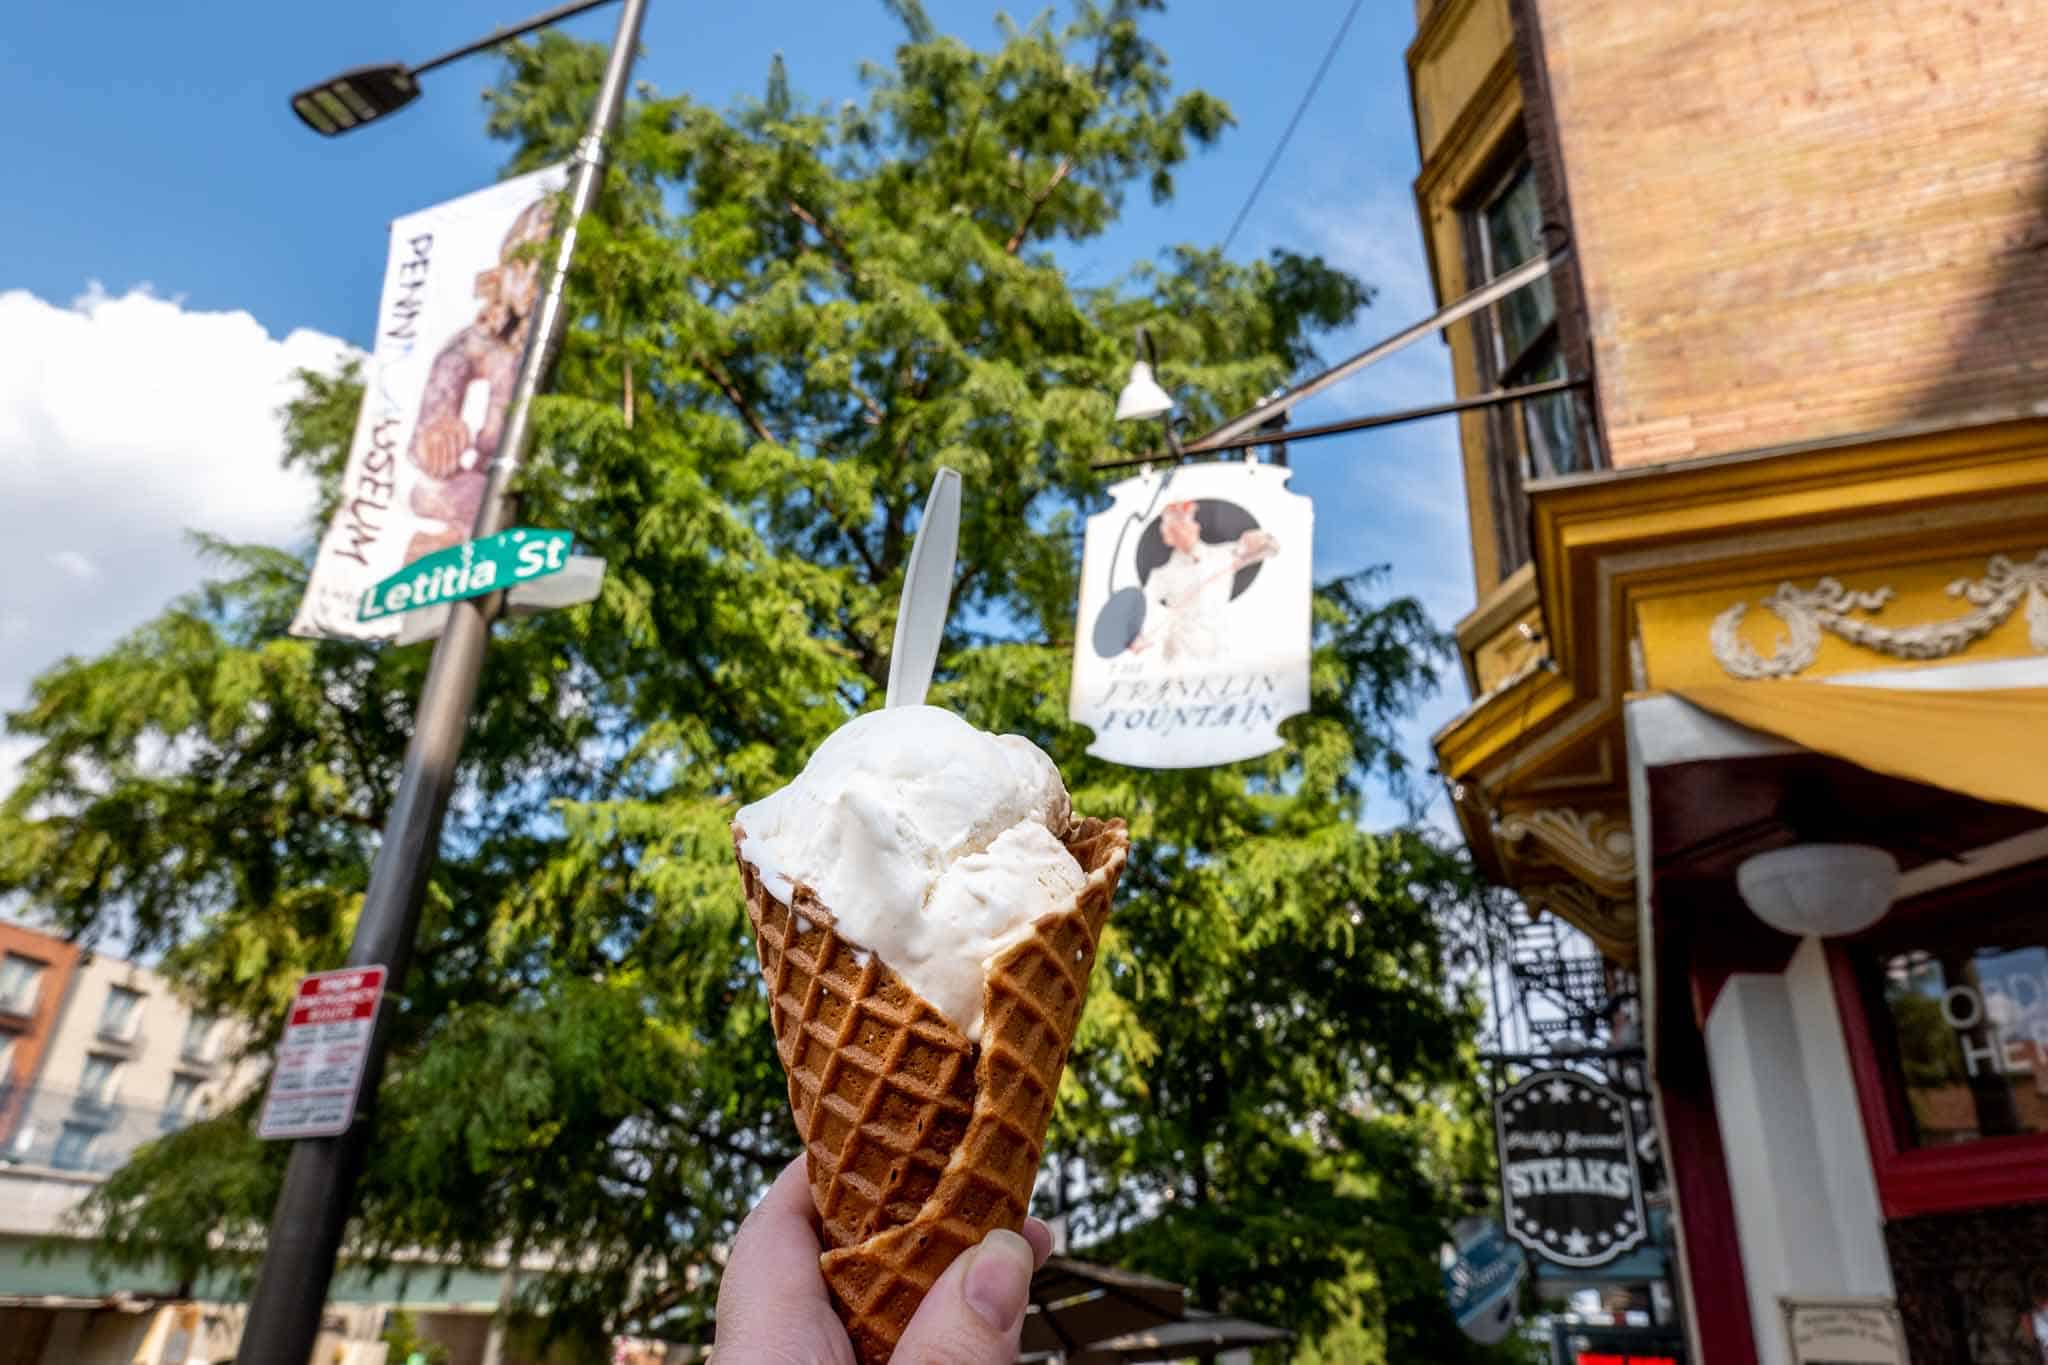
(1488, 626)
(1608, 540)
(1492, 724)
(1790, 513)
(1453, 154)
(1474, 135)
(1435, 32)
(1545, 748)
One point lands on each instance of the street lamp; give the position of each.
(1143, 398)
(354, 98)
(1824, 889)
(346, 102)
(320, 1178)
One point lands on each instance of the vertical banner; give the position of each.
(1570, 1190)
(1192, 643)
(459, 294)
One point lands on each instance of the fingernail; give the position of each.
(998, 1279)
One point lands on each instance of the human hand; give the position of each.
(439, 446)
(1255, 545)
(773, 1308)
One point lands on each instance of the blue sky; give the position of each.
(169, 208)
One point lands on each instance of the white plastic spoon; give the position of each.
(927, 592)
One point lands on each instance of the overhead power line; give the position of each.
(1307, 96)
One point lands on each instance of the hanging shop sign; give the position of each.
(460, 289)
(1483, 1279)
(1192, 642)
(1571, 1190)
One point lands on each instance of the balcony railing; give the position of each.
(60, 1128)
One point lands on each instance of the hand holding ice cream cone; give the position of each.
(927, 909)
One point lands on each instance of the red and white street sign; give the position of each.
(321, 1059)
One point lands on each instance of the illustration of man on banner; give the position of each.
(1187, 594)
(488, 350)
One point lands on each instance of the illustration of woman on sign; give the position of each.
(487, 351)
(1193, 561)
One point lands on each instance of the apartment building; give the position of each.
(123, 1061)
(97, 1056)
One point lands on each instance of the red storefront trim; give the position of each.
(1698, 1170)
(1694, 963)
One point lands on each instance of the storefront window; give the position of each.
(1971, 1025)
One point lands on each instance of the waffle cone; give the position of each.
(919, 1143)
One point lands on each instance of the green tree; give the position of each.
(402, 1337)
(788, 318)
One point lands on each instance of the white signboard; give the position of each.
(1844, 1332)
(1193, 638)
(459, 295)
(323, 1054)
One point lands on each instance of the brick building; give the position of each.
(1760, 651)
(35, 981)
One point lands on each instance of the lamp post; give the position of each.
(320, 1178)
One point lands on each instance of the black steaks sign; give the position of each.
(1569, 1185)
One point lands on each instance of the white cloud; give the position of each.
(124, 423)
(76, 564)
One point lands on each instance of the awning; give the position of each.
(1086, 1314)
(1075, 1304)
(1990, 744)
(1201, 1337)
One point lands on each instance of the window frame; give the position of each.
(177, 1110)
(1510, 458)
(1952, 1177)
(109, 1089)
(37, 968)
(1507, 371)
(131, 1026)
(65, 1131)
(202, 1027)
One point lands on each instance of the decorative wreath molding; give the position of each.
(1596, 847)
(1827, 606)
(1609, 921)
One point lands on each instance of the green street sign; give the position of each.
(470, 569)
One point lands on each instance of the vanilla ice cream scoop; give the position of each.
(934, 845)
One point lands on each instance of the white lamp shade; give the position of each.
(1824, 889)
(1142, 398)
